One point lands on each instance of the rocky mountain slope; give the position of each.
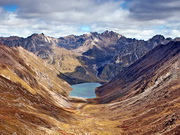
(32, 97)
(142, 99)
(99, 56)
(156, 67)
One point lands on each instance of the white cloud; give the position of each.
(64, 17)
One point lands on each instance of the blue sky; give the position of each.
(10, 8)
(125, 4)
(140, 19)
(85, 28)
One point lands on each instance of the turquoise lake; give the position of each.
(85, 90)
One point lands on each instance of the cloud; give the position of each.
(139, 19)
(154, 9)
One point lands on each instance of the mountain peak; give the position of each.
(157, 37)
(37, 35)
(108, 33)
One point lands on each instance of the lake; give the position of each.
(85, 90)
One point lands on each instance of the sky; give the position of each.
(139, 19)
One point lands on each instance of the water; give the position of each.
(85, 90)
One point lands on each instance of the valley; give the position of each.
(139, 92)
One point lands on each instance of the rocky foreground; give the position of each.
(143, 99)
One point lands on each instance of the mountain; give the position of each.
(121, 54)
(151, 70)
(142, 99)
(99, 56)
(32, 97)
(45, 47)
(109, 52)
(85, 42)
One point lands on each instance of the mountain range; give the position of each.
(99, 56)
(139, 93)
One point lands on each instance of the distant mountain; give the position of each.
(99, 56)
(109, 52)
(110, 58)
(36, 43)
(85, 42)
